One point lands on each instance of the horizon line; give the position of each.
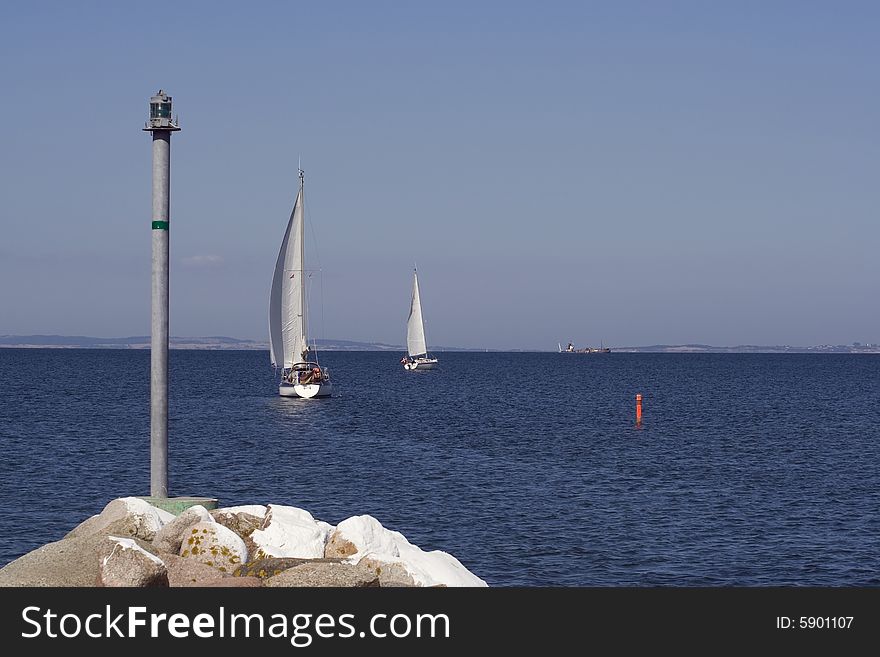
(140, 339)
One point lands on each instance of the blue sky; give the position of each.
(628, 172)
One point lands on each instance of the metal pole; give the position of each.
(159, 327)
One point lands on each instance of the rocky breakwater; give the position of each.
(132, 543)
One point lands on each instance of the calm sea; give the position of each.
(749, 469)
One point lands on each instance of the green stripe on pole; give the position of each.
(160, 225)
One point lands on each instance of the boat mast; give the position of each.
(302, 263)
(421, 314)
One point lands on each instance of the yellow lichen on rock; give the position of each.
(216, 546)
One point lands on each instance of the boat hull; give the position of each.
(422, 364)
(305, 391)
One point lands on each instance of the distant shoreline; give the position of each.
(222, 343)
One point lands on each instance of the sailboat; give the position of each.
(288, 315)
(416, 349)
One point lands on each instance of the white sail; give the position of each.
(415, 327)
(287, 303)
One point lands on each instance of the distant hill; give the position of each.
(224, 342)
(351, 345)
(752, 349)
(209, 342)
(130, 342)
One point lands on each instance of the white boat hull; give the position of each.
(306, 391)
(422, 364)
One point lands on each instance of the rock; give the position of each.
(122, 562)
(257, 510)
(288, 547)
(243, 524)
(395, 584)
(290, 532)
(338, 547)
(390, 573)
(318, 574)
(123, 528)
(267, 567)
(142, 519)
(381, 545)
(68, 562)
(169, 538)
(243, 520)
(189, 572)
(215, 545)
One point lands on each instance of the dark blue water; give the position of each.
(749, 470)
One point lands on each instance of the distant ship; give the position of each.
(586, 350)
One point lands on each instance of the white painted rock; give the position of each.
(257, 510)
(376, 545)
(142, 519)
(169, 538)
(291, 532)
(213, 544)
(125, 563)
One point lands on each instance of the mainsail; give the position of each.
(415, 328)
(287, 307)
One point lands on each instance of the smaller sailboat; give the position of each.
(417, 357)
(289, 345)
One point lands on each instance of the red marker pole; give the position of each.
(639, 410)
